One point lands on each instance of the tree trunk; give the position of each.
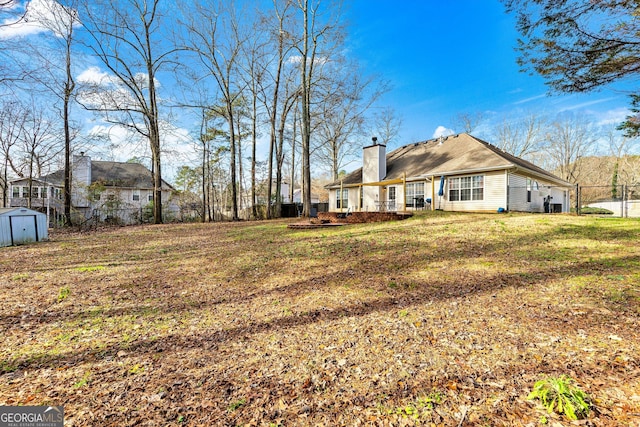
(254, 143)
(68, 90)
(293, 155)
(232, 149)
(305, 76)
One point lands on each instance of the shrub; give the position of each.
(562, 396)
(595, 211)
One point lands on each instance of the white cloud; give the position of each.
(533, 98)
(611, 117)
(38, 16)
(102, 90)
(93, 75)
(442, 131)
(586, 104)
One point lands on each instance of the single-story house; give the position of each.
(453, 173)
(107, 190)
(21, 225)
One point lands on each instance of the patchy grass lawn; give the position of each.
(443, 319)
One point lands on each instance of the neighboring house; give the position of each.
(454, 173)
(109, 191)
(285, 190)
(297, 197)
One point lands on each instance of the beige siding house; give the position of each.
(454, 173)
(101, 190)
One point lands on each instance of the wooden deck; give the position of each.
(332, 219)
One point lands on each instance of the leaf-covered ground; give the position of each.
(440, 320)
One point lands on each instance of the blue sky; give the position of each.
(442, 58)
(445, 58)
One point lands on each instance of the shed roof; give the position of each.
(22, 210)
(456, 154)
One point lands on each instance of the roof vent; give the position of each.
(375, 140)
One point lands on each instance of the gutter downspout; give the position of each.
(506, 190)
(340, 198)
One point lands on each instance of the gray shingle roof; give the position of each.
(456, 154)
(117, 174)
(113, 174)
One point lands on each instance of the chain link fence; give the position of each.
(612, 200)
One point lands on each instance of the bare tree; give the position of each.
(280, 38)
(316, 40)
(386, 125)
(12, 124)
(625, 168)
(523, 136)
(61, 21)
(467, 122)
(129, 37)
(345, 100)
(13, 55)
(39, 146)
(569, 139)
(254, 64)
(215, 37)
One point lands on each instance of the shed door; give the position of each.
(23, 229)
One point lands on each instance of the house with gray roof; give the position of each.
(108, 191)
(453, 173)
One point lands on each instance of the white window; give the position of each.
(466, 188)
(150, 197)
(415, 194)
(16, 191)
(136, 196)
(342, 198)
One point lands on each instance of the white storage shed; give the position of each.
(21, 225)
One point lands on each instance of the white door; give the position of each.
(391, 192)
(23, 229)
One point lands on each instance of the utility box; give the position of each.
(19, 226)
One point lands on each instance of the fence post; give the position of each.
(577, 199)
